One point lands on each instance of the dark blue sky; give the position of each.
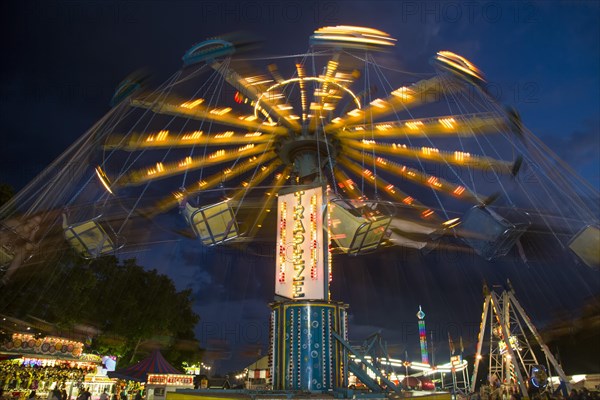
(62, 61)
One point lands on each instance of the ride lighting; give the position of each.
(160, 136)
(186, 161)
(192, 104)
(459, 63)
(461, 156)
(459, 190)
(218, 153)
(192, 136)
(414, 125)
(157, 169)
(103, 179)
(224, 135)
(354, 113)
(404, 93)
(429, 150)
(379, 103)
(451, 223)
(352, 34)
(448, 122)
(220, 111)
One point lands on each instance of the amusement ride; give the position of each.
(335, 151)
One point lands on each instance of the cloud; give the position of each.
(580, 149)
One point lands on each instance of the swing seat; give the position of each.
(14, 245)
(88, 238)
(213, 224)
(586, 244)
(357, 231)
(488, 233)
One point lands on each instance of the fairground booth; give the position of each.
(156, 376)
(42, 363)
(257, 374)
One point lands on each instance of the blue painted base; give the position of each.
(303, 353)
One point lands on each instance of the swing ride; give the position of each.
(356, 158)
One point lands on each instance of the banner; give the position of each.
(300, 271)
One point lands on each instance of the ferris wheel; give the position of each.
(405, 158)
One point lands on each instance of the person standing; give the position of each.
(104, 395)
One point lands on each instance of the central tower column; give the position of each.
(304, 355)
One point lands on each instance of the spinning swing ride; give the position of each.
(354, 160)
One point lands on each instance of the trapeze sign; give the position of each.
(300, 272)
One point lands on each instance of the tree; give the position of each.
(128, 305)
(6, 193)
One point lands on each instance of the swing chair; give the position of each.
(586, 244)
(17, 241)
(213, 224)
(89, 238)
(490, 234)
(357, 230)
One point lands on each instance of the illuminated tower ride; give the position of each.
(423, 337)
(304, 354)
(512, 345)
(354, 157)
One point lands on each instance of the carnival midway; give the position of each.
(333, 158)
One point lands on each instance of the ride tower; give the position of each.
(513, 364)
(304, 355)
(423, 336)
(309, 331)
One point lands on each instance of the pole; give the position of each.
(453, 382)
(432, 349)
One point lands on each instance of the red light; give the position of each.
(238, 97)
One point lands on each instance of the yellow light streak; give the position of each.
(220, 111)
(414, 125)
(431, 153)
(448, 122)
(203, 114)
(192, 136)
(103, 179)
(301, 80)
(192, 104)
(414, 175)
(404, 93)
(223, 135)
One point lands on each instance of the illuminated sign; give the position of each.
(170, 380)
(514, 344)
(300, 272)
(98, 379)
(55, 346)
(455, 361)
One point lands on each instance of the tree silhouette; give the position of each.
(126, 306)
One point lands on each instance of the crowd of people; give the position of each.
(26, 377)
(489, 392)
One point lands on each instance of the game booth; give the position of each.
(98, 380)
(157, 376)
(31, 355)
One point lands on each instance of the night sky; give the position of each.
(63, 60)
